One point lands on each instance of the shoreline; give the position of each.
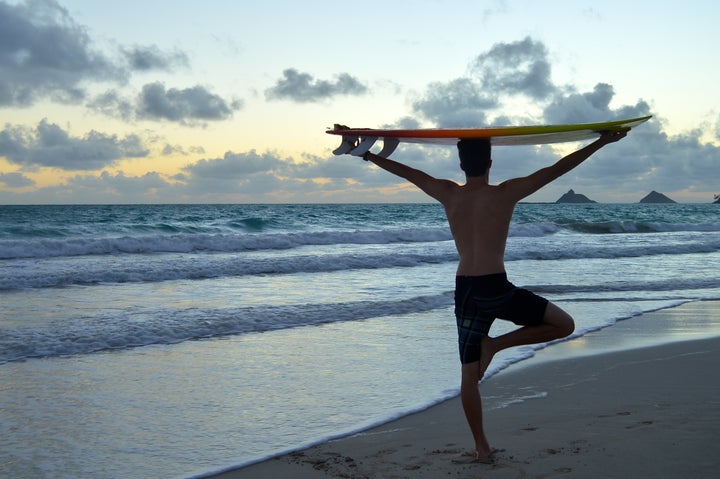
(592, 416)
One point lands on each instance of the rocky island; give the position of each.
(572, 197)
(655, 197)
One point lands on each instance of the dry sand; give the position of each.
(645, 413)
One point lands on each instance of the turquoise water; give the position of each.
(168, 340)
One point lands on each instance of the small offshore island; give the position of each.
(572, 197)
(652, 197)
(655, 197)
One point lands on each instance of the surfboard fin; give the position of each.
(348, 143)
(364, 145)
(359, 145)
(389, 145)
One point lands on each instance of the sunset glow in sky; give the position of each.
(227, 101)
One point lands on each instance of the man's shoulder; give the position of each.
(514, 189)
(446, 184)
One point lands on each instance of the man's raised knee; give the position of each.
(569, 327)
(560, 319)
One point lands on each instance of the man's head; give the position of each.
(474, 156)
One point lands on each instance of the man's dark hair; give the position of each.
(474, 156)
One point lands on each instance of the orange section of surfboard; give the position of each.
(505, 135)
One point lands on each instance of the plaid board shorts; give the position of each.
(479, 300)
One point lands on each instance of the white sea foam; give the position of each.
(242, 242)
(130, 329)
(231, 257)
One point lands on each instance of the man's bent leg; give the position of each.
(562, 321)
(556, 324)
(472, 405)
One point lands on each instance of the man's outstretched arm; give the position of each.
(523, 187)
(431, 186)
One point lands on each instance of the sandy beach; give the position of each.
(647, 412)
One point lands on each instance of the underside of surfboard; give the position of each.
(358, 141)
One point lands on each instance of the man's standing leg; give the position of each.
(472, 405)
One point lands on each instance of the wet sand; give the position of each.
(647, 412)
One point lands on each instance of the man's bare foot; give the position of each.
(487, 352)
(478, 457)
(488, 458)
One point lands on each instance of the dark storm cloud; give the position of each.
(44, 53)
(183, 105)
(51, 146)
(303, 88)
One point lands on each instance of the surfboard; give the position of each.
(357, 141)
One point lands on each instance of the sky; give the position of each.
(228, 101)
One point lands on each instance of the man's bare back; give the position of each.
(479, 217)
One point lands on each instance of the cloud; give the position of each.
(43, 52)
(185, 106)
(506, 69)
(510, 70)
(648, 159)
(190, 106)
(117, 185)
(252, 176)
(246, 176)
(113, 104)
(150, 58)
(591, 106)
(455, 104)
(100, 188)
(15, 180)
(235, 166)
(516, 68)
(48, 145)
(169, 150)
(303, 88)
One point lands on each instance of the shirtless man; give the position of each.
(479, 216)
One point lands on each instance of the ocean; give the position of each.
(169, 341)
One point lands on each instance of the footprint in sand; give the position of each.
(640, 424)
(622, 413)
